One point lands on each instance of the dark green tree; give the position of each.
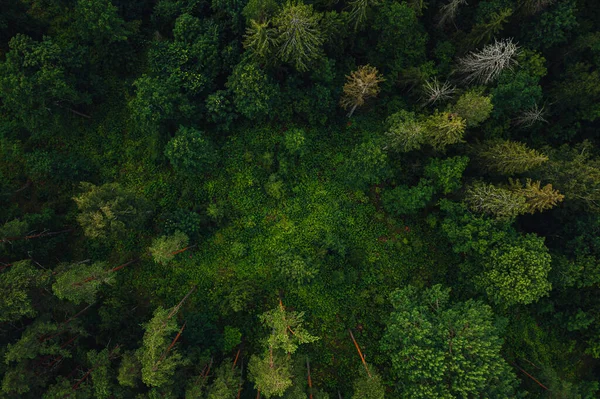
(441, 349)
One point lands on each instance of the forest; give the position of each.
(299, 199)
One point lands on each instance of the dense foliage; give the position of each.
(299, 199)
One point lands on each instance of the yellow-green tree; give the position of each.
(361, 85)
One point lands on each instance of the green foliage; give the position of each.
(190, 152)
(34, 79)
(509, 157)
(254, 95)
(442, 349)
(497, 201)
(109, 210)
(517, 273)
(287, 331)
(129, 370)
(225, 384)
(16, 282)
(444, 129)
(403, 200)
(401, 39)
(405, 132)
(158, 362)
(368, 387)
(446, 174)
(80, 282)
(553, 27)
(367, 164)
(298, 35)
(473, 107)
(232, 337)
(163, 248)
(271, 374)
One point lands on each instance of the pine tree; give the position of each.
(260, 40)
(157, 357)
(405, 133)
(80, 282)
(360, 85)
(538, 199)
(502, 203)
(484, 32)
(298, 36)
(444, 129)
(368, 386)
(359, 10)
(164, 248)
(272, 371)
(15, 286)
(509, 157)
(108, 210)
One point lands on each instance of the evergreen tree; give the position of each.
(368, 386)
(502, 203)
(405, 132)
(509, 157)
(109, 210)
(537, 199)
(444, 129)
(298, 35)
(15, 286)
(163, 249)
(80, 282)
(158, 358)
(361, 85)
(474, 107)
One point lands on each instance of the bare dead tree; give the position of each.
(434, 91)
(531, 116)
(449, 11)
(486, 65)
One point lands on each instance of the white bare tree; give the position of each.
(449, 11)
(486, 65)
(434, 91)
(531, 116)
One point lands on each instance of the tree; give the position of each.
(486, 65)
(298, 36)
(157, 356)
(403, 200)
(272, 371)
(444, 129)
(516, 272)
(80, 282)
(449, 11)
(16, 283)
(434, 91)
(474, 107)
(484, 31)
(260, 40)
(358, 11)
(405, 132)
(368, 387)
(129, 370)
(35, 82)
(446, 174)
(502, 203)
(226, 382)
(537, 199)
(254, 93)
(190, 152)
(108, 210)
(509, 157)
(164, 247)
(440, 349)
(271, 374)
(361, 85)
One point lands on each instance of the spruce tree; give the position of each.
(361, 85)
(538, 199)
(509, 157)
(298, 35)
(500, 202)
